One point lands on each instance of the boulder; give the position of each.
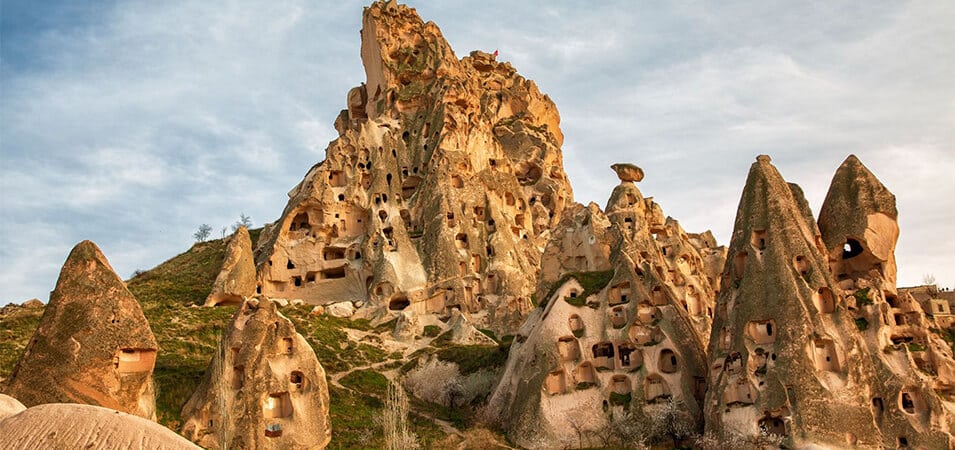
(340, 309)
(71, 426)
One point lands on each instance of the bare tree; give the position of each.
(928, 279)
(398, 435)
(203, 233)
(223, 231)
(670, 420)
(453, 390)
(244, 221)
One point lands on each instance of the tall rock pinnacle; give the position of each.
(439, 192)
(913, 365)
(785, 356)
(93, 344)
(859, 225)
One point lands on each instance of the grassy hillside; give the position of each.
(188, 336)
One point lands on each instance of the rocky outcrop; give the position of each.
(786, 357)
(236, 279)
(9, 406)
(438, 193)
(92, 345)
(617, 346)
(914, 378)
(264, 388)
(71, 426)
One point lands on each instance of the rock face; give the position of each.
(914, 369)
(9, 406)
(438, 193)
(264, 388)
(237, 279)
(786, 357)
(619, 340)
(92, 345)
(859, 225)
(63, 426)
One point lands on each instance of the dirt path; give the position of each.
(391, 375)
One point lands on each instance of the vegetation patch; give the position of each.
(620, 399)
(367, 381)
(431, 330)
(862, 324)
(472, 358)
(591, 282)
(862, 297)
(17, 326)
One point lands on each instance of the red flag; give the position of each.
(495, 53)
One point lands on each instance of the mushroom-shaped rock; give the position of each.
(9, 406)
(264, 388)
(236, 279)
(93, 344)
(628, 172)
(64, 425)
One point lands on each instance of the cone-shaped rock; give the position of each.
(92, 345)
(264, 388)
(914, 367)
(236, 279)
(71, 426)
(616, 350)
(438, 193)
(785, 356)
(859, 225)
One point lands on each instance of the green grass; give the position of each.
(916, 347)
(431, 330)
(366, 381)
(591, 282)
(16, 328)
(472, 358)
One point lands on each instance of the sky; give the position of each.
(130, 123)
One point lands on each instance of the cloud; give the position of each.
(130, 123)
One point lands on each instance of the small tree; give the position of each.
(928, 279)
(244, 221)
(203, 233)
(453, 390)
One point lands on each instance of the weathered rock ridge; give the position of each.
(93, 344)
(438, 193)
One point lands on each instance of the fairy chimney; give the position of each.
(236, 279)
(93, 344)
(264, 387)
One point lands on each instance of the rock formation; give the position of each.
(438, 193)
(786, 357)
(70, 426)
(626, 298)
(264, 388)
(92, 345)
(237, 279)
(9, 406)
(914, 369)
